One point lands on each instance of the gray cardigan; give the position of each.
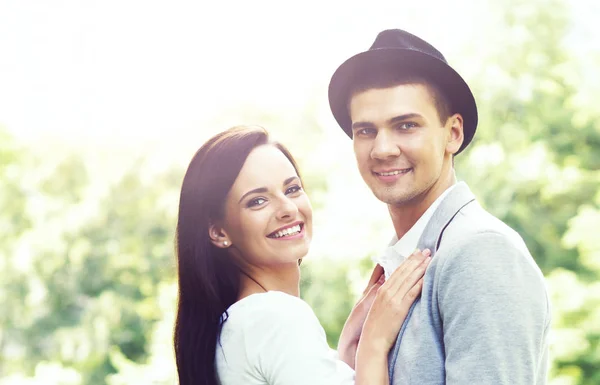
(484, 313)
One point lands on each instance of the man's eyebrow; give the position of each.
(401, 118)
(358, 125)
(395, 119)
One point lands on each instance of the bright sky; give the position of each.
(121, 72)
(121, 69)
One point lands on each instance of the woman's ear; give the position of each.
(218, 236)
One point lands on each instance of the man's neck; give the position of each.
(405, 216)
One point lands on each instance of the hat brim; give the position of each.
(411, 62)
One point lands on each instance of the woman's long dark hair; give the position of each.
(208, 278)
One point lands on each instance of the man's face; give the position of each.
(402, 149)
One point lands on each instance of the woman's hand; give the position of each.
(348, 342)
(391, 305)
(388, 312)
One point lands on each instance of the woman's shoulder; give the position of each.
(272, 304)
(270, 316)
(274, 337)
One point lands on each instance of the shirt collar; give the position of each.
(399, 249)
(408, 243)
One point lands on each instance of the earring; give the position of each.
(225, 243)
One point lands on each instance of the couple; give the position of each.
(455, 299)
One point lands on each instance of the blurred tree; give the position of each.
(87, 264)
(535, 164)
(89, 268)
(327, 287)
(14, 222)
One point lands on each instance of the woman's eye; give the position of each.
(293, 189)
(256, 202)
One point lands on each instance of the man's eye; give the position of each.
(365, 131)
(406, 125)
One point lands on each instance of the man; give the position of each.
(484, 314)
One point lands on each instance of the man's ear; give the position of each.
(218, 236)
(456, 137)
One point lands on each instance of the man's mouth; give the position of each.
(287, 231)
(392, 172)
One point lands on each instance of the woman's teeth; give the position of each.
(289, 231)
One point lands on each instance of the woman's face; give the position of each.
(268, 217)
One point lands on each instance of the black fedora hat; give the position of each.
(399, 51)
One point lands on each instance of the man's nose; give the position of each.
(384, 146)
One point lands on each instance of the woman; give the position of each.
(244, 226)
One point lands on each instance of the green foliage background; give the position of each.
(86, 263)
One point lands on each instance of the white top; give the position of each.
(399, 249)
(274, 338)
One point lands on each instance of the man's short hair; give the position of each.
(385, 79)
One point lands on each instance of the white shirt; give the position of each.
(274, 338)
(400, 249)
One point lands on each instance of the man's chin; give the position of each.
(389, 198)
(393, 198)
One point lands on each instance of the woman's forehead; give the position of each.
(266, 166)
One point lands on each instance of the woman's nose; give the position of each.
(287, 209)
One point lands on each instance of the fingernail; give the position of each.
(381, 279)
(427, 252)
(427, 259)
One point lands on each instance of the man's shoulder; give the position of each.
(476, 235)
(477, 240)
(473, 224)
(460, 217)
